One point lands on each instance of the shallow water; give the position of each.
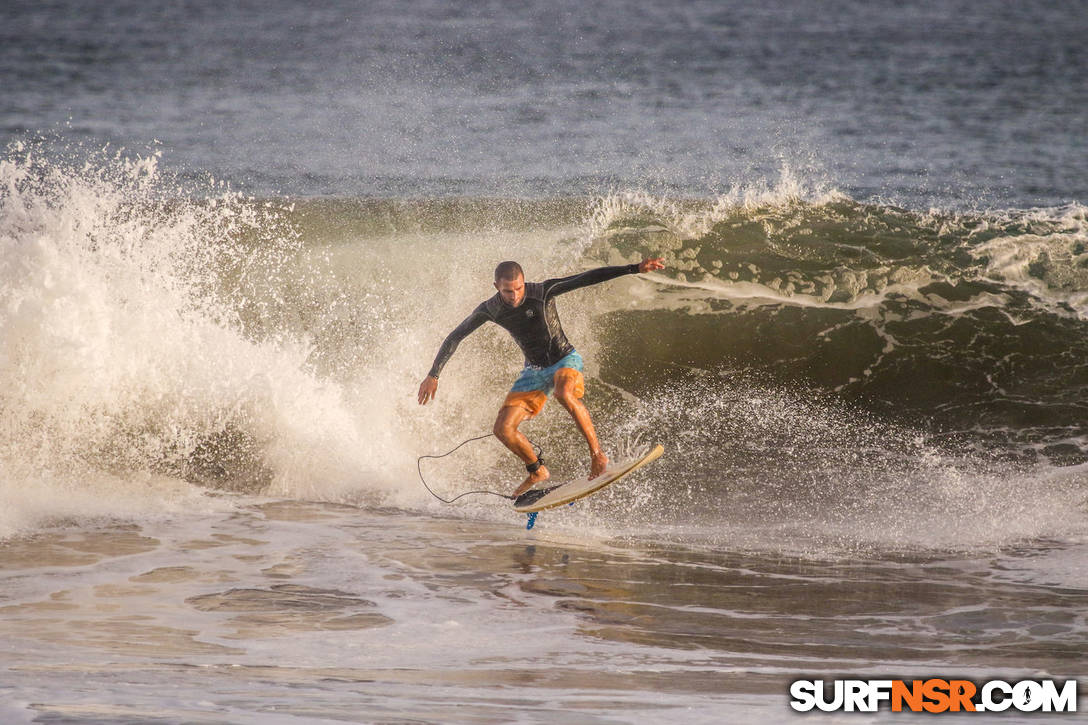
(281, 609)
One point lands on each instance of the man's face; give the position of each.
(512, 291)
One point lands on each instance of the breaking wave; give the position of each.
(837, 369)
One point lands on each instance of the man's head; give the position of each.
(510, 282)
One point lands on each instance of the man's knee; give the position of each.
(569, 387)
(565, 395)
(504, 428)
(507, 422)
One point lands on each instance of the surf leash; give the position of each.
(419, 469)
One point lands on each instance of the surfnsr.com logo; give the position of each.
(934, 695)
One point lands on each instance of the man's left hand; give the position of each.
(651, 264)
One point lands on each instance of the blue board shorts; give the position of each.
(533, 386)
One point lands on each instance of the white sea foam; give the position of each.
(124, 368)
(1046, 257)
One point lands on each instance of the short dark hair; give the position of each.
(508, 271)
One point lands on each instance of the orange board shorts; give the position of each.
(532, 387)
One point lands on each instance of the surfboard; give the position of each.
(550, 496)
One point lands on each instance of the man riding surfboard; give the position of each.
(527, 311)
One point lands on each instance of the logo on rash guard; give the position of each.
(529, 313)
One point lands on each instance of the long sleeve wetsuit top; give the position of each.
(534, 323)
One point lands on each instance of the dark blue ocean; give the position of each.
(927, 103)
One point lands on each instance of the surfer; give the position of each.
(527, 311)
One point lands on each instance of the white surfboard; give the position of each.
(550, 495)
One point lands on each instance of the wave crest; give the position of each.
(127, 336)
(970, 322)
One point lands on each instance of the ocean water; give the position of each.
(234, 236)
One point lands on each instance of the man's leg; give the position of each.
(506, 430)
(569, 388)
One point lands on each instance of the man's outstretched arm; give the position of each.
(428, 389)
(601, 274)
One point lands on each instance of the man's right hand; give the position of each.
(651, 264)
(428, 389)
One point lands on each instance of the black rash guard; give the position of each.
(534, 323)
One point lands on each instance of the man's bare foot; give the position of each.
(541, 474)
(598, 463)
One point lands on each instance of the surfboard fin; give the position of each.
(532, 521)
